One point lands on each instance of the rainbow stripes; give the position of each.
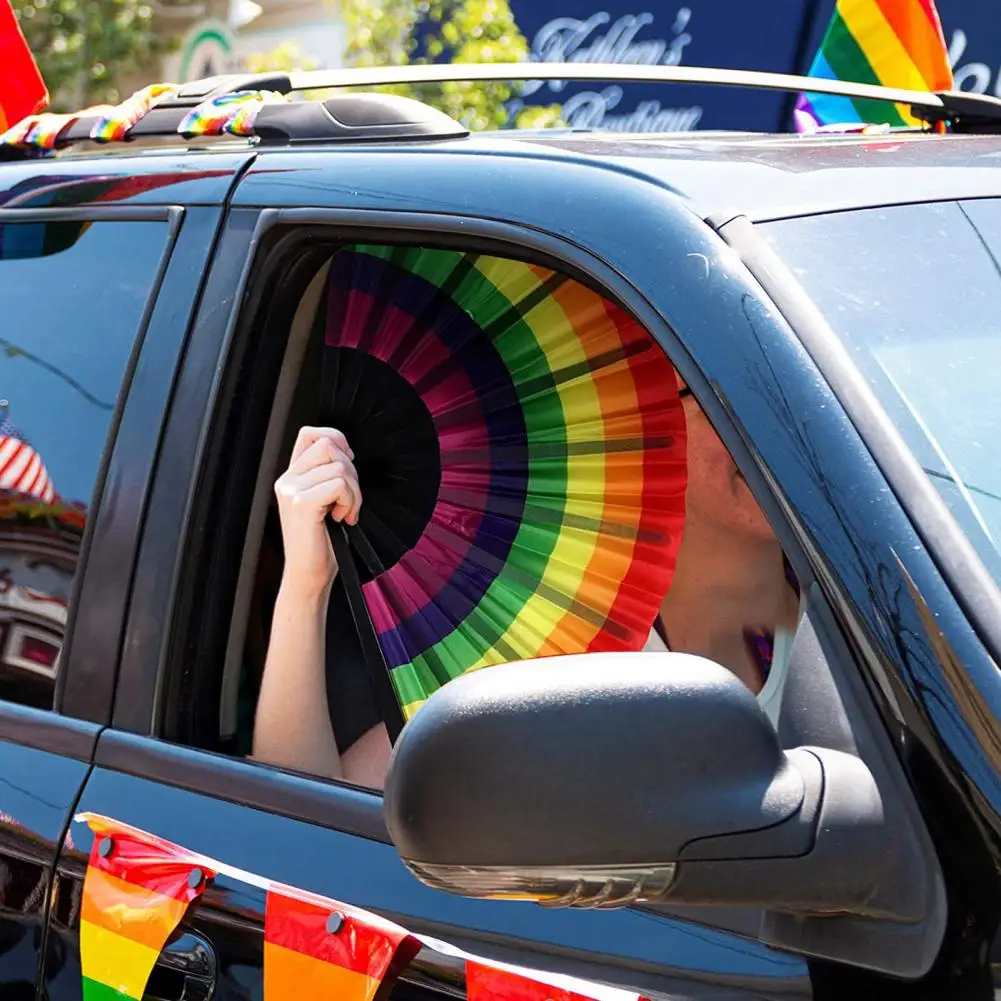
(316, 948)
(562, 448)
(234, 114)
(114, 123)
(138, 887)
(135, 893)
(892, 43)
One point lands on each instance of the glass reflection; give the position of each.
(80, 290)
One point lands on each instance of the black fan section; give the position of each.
(396, 452)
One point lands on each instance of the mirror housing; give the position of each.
(607, 779)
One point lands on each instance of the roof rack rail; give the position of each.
(963, 110)
(373, 117)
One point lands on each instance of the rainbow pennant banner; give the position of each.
(136, 890)
(318, 948)
(889, 43)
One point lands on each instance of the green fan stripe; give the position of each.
(502, 311)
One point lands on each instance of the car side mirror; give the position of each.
(606, 779)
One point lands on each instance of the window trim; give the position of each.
(335, 805)
(44, 730)
(194, 387)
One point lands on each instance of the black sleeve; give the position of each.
(352, 706)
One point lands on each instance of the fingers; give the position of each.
(338, 495)
(321, 476)
(321, 452)
(309, 435)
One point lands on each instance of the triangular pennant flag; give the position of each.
(22, 89)
(136, 890)
(489, 981)
(318, 948)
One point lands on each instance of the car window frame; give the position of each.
(337, 805)
(348, 225)
(84, 686)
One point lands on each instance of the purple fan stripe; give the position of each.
(355, 280)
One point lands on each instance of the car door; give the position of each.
(85, 288)
(165, 765)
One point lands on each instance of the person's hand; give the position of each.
(320, 481)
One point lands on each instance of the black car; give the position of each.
(834, 303)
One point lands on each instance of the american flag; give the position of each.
(21, 467)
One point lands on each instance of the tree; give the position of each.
(399, 32)
(83, 47)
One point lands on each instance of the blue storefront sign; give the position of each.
(724, 33)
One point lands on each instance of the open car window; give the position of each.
(522, 447)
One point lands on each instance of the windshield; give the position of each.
(915, 293)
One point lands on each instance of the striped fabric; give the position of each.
(21, 467)
(891, 43)
(138, 888)
(135, 893)
(492, 981)
(22, 90)
(318, 948)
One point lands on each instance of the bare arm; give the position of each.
(292, 728)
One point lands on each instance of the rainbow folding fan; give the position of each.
(520, 445)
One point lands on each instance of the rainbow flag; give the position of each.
(891, 43)
(136, 890)
(22, 89)
(318, 948)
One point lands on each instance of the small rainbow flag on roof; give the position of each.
(22, 90)
(136, 891)
(890, 43)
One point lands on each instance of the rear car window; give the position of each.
(74, 296)
(914, 292)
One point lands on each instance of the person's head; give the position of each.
(717, 493)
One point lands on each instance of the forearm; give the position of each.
(292, 728)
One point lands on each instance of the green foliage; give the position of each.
(286, 58)
(385, 33)
(83, 47)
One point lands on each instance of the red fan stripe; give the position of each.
(663, 415)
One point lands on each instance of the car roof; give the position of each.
(760, 176)
(783, 175)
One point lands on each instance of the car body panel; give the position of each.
(632, 222)
(38, 791)
(762, 177)
(171, 177)
(368, 873)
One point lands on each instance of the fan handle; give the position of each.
(378, 672)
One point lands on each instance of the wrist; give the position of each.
(304, 591)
